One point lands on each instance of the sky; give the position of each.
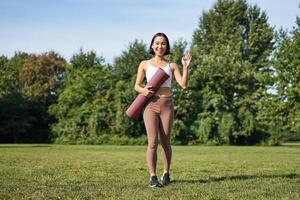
(109, 26)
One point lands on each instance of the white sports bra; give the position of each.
(151, 71)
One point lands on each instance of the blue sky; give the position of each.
(108, 26)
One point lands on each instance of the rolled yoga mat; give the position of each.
(137, 106)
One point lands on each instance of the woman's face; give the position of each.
(159, 46)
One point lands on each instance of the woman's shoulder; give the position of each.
(143, 64)
(173, 65)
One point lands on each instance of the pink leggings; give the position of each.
(158, 119)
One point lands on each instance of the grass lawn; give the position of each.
(120, 172)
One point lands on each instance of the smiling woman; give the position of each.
(159, 111)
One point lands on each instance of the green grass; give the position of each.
(120, 172)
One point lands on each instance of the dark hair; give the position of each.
(166, 38)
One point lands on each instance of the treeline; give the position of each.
(244, 88)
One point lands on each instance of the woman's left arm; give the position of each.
(182, 80)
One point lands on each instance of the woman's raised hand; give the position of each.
(186, 59)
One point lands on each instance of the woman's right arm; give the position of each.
(146, 91)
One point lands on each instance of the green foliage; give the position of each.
(227, 127)
(3, 85)
(28, 86)
(286, 65)
(243, 87)
(16, 120)
(124, 94)
(125, 66)
(231, 48)
(91, 108)
(124, 75)
(83, 108)
(186, 105)
(9, 73)
(40, 77)
(86, 59)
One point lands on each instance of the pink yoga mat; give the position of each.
(137, 106)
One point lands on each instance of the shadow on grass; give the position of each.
(22, 146)
(239, 177)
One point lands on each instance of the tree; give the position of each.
(9, 73)
(186, 105)
(40, 80)
(3, 85)
(286, 65)
(83, 109)
(16, 121)
(231, 50)
(125, 66)
(41, 77)
(124, 74)
(86, 60)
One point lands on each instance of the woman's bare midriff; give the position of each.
(164, 91)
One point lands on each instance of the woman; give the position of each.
(159, 112)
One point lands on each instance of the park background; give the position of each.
(243, 84)
(67, 70)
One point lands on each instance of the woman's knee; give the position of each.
(152, 145)
(165, 144)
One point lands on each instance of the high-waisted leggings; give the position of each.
(158, 119)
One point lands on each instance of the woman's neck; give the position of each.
(158, 59)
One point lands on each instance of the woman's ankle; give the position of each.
(152, 174)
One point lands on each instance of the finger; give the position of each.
(189, 54)
(185, 55)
